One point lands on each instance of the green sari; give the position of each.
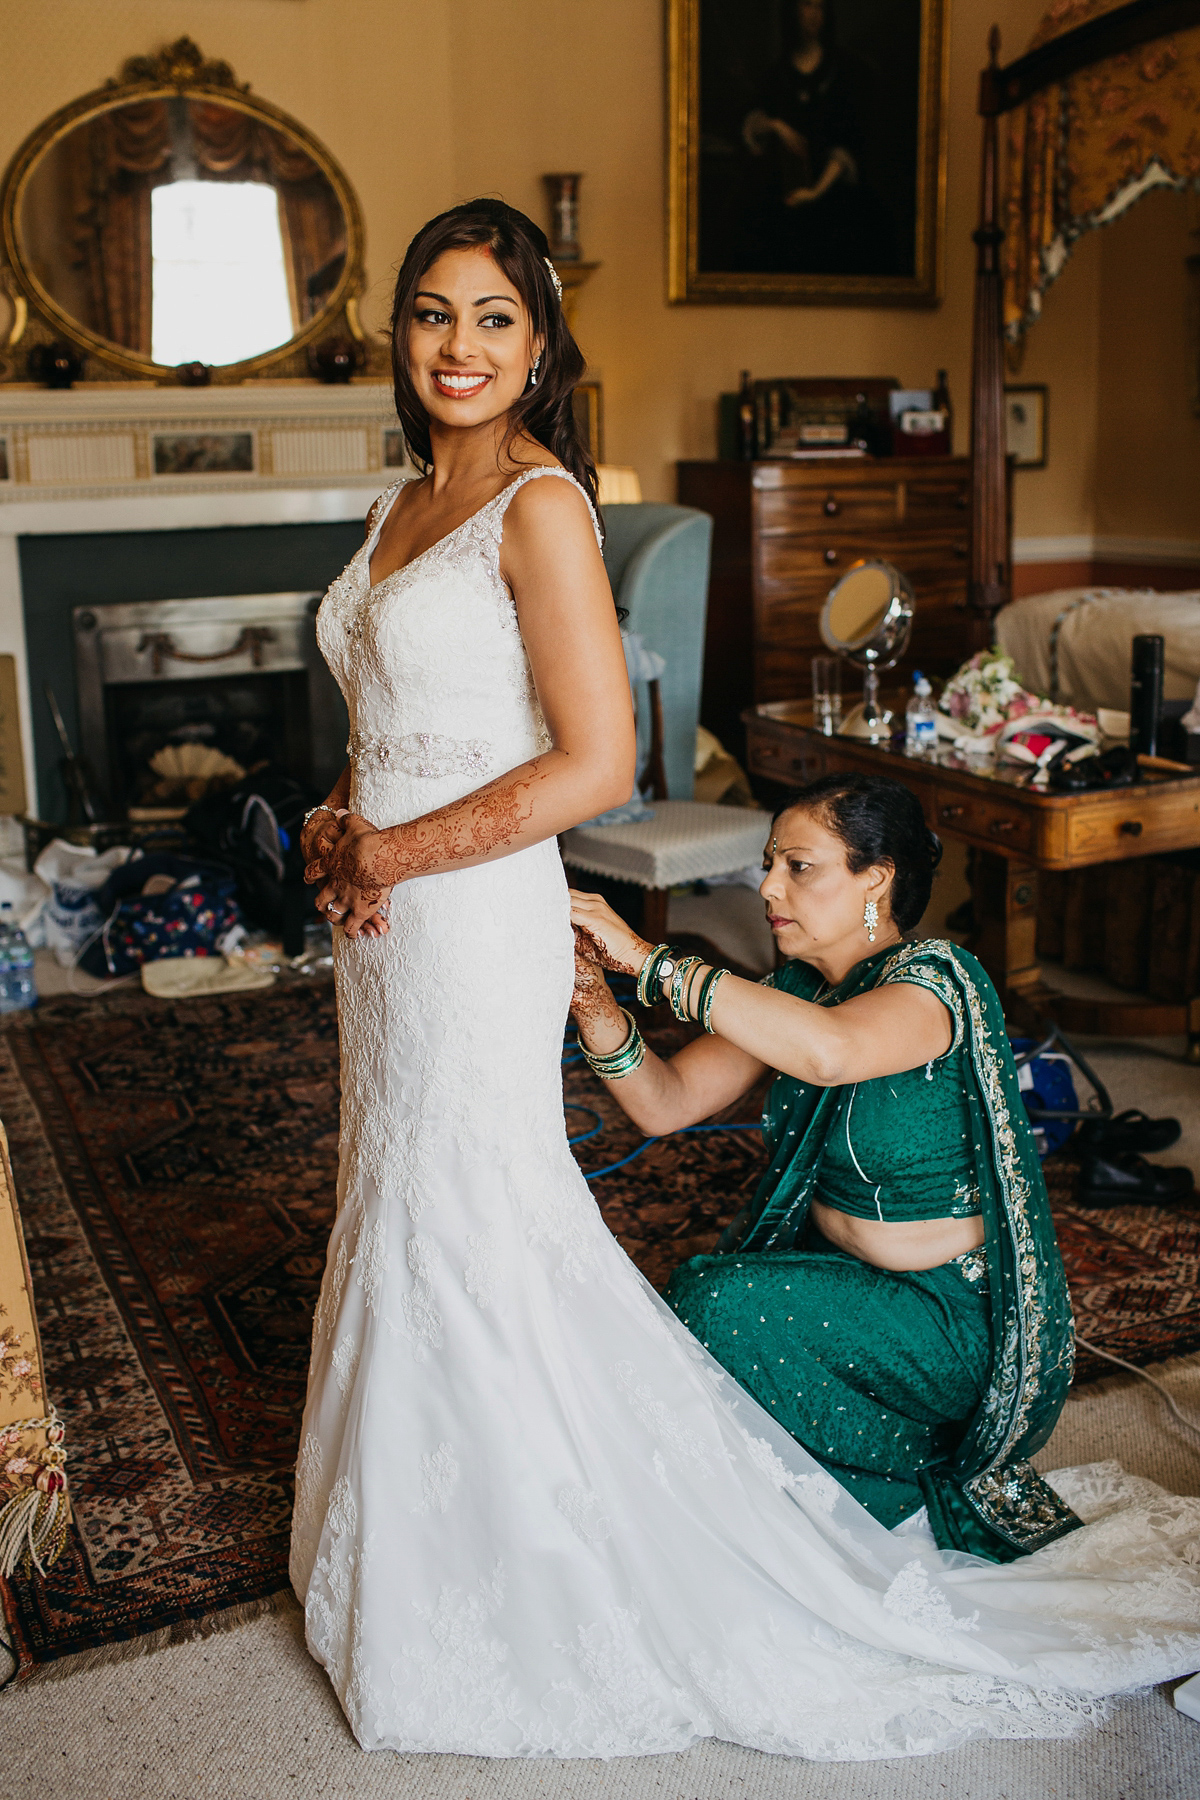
(934, 1386)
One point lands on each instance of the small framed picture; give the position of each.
(588, 403)
(204, 453)
(1025, 425)
(3, 459)
(395, 451)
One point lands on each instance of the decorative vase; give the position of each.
(563, 191)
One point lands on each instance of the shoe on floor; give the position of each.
(1122, 1179)
(1128, 1131)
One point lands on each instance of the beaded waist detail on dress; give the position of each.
(421, 753)
(972, 1263)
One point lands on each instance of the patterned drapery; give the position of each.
(108, 171)
(1083, 150)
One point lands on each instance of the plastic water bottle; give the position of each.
(920, 720)
(18, 989)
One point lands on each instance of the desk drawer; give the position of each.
(987, 822)
(782, 756)
(832, 506)
(1141, 821)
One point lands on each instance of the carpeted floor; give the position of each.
(176, 1169)
(247, 1714)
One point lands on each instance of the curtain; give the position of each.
(109, 168)
(1082, 151)
(233, 146)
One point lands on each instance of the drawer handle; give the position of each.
(1130, 827)
(952, 812)
(962, 500)
(832, 507)
(999, 825)
(959, 549)
(831, 557)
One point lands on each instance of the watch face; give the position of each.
(666, 970)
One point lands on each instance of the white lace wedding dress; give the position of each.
(532, 1516)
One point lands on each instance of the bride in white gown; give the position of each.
(533, 1517)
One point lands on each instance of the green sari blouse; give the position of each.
(987, 1499)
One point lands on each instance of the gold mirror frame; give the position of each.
(180, 69)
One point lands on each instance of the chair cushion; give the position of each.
(684, 841)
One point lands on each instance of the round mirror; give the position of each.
(867, 617)
(174, 220)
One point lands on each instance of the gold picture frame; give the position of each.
(694, 274)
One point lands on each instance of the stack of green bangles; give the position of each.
(668, 973)
(624, 1061)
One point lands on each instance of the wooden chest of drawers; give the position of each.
(784, 532)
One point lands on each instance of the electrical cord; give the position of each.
(1188, 1424)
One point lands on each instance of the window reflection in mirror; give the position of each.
(220, 286)
(94, 230)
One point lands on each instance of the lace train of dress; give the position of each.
(533, 1517)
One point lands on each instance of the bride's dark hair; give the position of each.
(520, 250)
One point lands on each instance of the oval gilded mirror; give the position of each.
(174, 223)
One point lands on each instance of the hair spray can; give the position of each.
(1145, 694)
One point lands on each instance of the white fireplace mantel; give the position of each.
(319, 457)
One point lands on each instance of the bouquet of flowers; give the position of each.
(986, 695)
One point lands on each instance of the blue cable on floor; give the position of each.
(582, 1137)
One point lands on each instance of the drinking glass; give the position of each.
(827, 693)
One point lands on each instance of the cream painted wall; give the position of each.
(1148, 437)
(430, 101)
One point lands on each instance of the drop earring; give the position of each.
(870, 919)
(533, 373)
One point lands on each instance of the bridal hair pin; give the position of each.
(554, 278)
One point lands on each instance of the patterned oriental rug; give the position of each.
(176, 1166)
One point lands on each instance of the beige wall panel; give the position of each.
(1148, 438)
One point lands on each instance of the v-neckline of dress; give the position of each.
(372, 543)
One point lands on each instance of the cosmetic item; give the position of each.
(1145, 694)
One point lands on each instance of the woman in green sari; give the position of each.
(894, 1294)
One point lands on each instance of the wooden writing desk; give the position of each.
(1017, 832)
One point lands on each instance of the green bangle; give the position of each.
(648, 974)
(679, 982)
(620, 1062)
(708, 995)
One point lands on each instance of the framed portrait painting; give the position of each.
(806, 151)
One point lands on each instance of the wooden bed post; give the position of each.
(989, 585)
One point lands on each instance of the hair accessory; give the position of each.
(554, 278)
(620, 1062)
(870, 919)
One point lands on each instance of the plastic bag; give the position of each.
(74, 874)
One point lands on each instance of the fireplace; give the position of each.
(177, 695)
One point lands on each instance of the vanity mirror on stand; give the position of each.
(867, 618)
(175, 227)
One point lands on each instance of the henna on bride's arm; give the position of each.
(467, 831)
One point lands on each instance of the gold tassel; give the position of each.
(32, 1531)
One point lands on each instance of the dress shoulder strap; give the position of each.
(501, 503)
(379, 511)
